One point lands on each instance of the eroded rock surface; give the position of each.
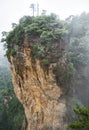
(38, 91)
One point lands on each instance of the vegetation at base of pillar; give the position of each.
(82, 118)
(11, 110)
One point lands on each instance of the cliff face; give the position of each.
(38, 91)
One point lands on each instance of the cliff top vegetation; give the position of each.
(45, 34)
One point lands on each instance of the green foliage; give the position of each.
(11, 111)
(11, 52)
(16, 110)
(46, 30)
(32, 29)
(78, 25)
(82, 120)
(46, 35)
(79, 54)
(38, 51)
(15, 37)
(39, 30)
(64, 74)
(45, 62)
(79, 42)
(25, 20)
(3, 40)
(45, 26)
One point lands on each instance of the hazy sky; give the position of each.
(12, 10)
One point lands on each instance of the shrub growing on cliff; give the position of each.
(15, 37)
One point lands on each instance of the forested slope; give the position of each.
(11, 111)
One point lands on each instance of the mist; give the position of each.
(74, 44)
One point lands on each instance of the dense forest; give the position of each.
(11, 111)
(73, 36)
